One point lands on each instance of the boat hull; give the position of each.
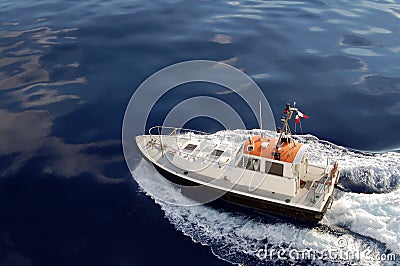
(263, 205)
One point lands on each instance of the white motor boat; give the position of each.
(267, 171)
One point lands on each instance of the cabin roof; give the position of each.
(289, 151)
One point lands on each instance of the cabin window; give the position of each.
(190, 147)
(249, 163)
(253, 164)
(274, 168)
(217, 153)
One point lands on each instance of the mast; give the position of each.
(288, 114)
(260, 117)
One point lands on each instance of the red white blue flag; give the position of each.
(300, 114)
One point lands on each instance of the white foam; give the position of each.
(380, 172)
(362, 221)
(373, 215)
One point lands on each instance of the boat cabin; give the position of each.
(285, 162)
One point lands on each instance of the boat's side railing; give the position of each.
(173, 131)
(157, 132)
(322, 188)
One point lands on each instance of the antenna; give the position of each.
(260, 117)
(295, 125)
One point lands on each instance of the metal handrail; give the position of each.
(325, 185)
(174, 132)
(175, 129)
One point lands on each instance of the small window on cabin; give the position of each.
(274, 168)
(253, 164)
(217, 153)
(190, 147)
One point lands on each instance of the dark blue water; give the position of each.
(69, 68)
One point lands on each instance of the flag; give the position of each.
(301, 114)
(298, 115)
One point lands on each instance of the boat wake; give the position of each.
(359, 228)
(360, 172)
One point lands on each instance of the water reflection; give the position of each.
(23, 75)
(222, 38)
(24, 131)
(31, 82)
(361, 52)
(388, 7)
(42, 94)
(394, 109)
(71, 160)
(379, 85)
(353, 40)
(372, 30)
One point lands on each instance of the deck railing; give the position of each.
(324, 186)
(173, 131)
(160, 131)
